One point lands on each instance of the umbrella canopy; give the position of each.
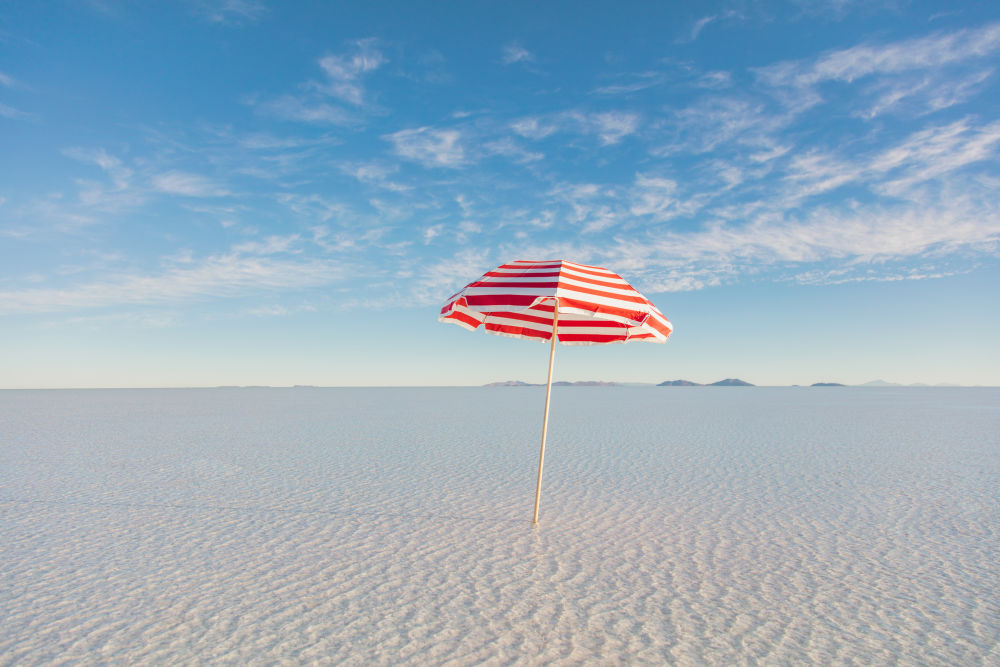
(575, 304)
(595, 306)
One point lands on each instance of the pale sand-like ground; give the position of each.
(392, 526)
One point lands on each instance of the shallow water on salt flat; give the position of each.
(392, 526)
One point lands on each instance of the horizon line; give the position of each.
(583, 383)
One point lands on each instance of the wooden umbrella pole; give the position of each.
(545, 419)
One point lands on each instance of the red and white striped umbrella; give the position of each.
(573, 303)
(595, 305)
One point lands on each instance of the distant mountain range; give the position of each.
(729, 382)
(510, 383)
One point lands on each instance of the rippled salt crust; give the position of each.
(366, 526)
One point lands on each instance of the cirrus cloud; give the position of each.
(429, 146)
(187, 184)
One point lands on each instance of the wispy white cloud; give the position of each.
(654, 196)
(925, 155)
(230, 12)
(958, 89)
(768, 149)
(721, 120)
(377, 174)
(431, 232)
(265, 141)
(466, 228)
(290, 107)
(314, 207)
(229, 274)
(865, 235)
(345, 71)
(923, 93)
(649, 200)
(890, 95)
(514, 52)
(268, 311)
(509, 148)
(95, 200)
(916, 76)
(120, 174)
(760, 151)
(855, 274)
(464, 204)
(187, 184)
(98, 156)
(272, 245)
(436, 279)
(10, 113)
(715, 80)
(534, 127)
(816, 172)
(935, 151)
(609, 126)
(699, 25)
(727, 191)
(344, 82)
(849, 242)
(633, 83)
(350, 239)
(429, 146)
(591, 207)
(42, 216)
(7, 111)
(865, 60)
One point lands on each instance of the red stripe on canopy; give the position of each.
(595, 305)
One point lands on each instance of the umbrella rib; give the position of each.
(545, 418)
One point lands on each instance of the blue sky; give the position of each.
(239, 192)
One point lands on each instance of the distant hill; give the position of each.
(729, 382)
